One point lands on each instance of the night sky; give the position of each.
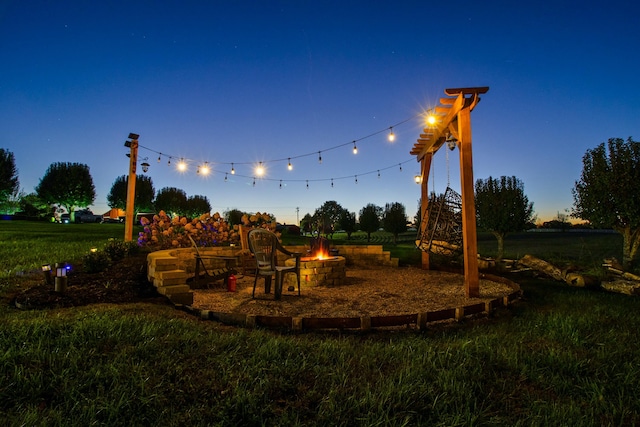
(244, 82)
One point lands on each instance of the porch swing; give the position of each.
(442, 232)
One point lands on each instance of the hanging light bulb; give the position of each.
(182, 165)
(417, 179)
(319, 157)
(290, 166)
(225, 177)
(254, 181)
(431, 118)
(356, 179)
(169, 162)
(281, 184)
(233, 171)
(355, 149)
(307, 184)
(392, 136)
(331, 182)
(260, 169)
(400, 164)
(159, 157)
(378, 173)
(205, 169)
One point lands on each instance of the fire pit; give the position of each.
(318, 271)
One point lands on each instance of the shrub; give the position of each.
(116, 249)
(95, 262)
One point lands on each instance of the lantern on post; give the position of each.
(61, 277)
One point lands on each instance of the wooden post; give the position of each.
(131, 187)
(469, 233)
(425, 168)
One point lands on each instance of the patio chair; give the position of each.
(214, 274)
(264, 245)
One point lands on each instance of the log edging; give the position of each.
(420, 320)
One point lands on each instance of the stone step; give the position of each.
(170, 277)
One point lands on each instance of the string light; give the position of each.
(281, 184)
(183, 164)
(225, 177)
(205, 169)
(254, 181)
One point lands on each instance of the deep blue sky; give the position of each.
(250, 81)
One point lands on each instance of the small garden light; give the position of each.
(46, 270)
(61, 277)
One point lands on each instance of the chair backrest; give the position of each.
(263, 245)
(193, 243)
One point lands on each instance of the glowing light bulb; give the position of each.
(431, 119)
(260, 169)
(392, 136)
(290, 166)
(233, 171)
(355, 149)
(182, 165)
(204, 169)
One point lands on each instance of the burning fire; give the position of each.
(320, 255)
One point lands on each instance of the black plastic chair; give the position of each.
(264, 245)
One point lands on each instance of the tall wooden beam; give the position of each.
(469, 232)
(425, 169)
(131, 187)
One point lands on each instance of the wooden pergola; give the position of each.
(453, 118)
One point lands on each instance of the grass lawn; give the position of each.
(562, 356)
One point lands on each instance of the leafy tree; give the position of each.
(196, 206)
(607, 193)
(234, 216)
(306, 223)
(327, 217)
(9, 184)
(145, 193)
(68, 185)
(394, 219)
(370, 219)
(502, 207)
(32, 206)
(347, 222)
(171, 200)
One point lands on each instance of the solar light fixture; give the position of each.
(46, 270)
(61, 277)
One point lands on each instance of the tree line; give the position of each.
(605, 195)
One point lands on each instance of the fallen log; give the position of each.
(626, 287)
(571, 278)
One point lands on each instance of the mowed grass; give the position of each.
(26, 245)
(562, 356)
